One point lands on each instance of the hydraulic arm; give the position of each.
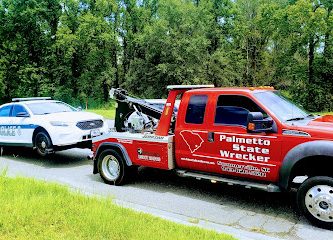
(127, 105)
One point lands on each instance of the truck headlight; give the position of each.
(59, 124)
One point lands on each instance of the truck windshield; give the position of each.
(283, 108)
(43, 108)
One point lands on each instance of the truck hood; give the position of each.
(324, 123)
(71, 117)
(323, 120)
(320, 126)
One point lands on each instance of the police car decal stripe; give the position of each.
(12, 130)
(22, 126)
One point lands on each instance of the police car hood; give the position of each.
(72, 117)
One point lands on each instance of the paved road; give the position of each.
(246, 213)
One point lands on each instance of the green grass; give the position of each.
(326, 113)
(33, 209)
(323, 113)
(107, 113)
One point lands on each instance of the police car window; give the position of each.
(233, 110)
(18, 109)
(43, 108)
(196, 109)
(5, 111)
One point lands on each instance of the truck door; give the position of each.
(190, 132)
(235, 151)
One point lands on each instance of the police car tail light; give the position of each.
(59, 124)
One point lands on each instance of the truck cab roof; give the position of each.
(232, 89)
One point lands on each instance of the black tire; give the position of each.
(112, 167)
(43, 143)
(315, 201)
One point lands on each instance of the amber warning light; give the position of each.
(251, 126)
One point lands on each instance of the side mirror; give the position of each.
(79, 108)
(22, 114)
(256, 123)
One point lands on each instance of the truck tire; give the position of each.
(43, 143)
(112, 167)
(315, 201)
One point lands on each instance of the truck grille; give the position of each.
(92, 124)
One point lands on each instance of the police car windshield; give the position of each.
(283, 108)
(42, 108)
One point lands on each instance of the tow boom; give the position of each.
(127, 105)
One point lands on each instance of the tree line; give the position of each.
(76, 50)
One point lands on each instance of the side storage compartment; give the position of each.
(153, 151)
(145, 149)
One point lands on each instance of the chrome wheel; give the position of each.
(110, 167)
(319, 202)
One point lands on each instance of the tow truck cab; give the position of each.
(212, 134)
(247, 136)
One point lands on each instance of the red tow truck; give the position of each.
(253, 137)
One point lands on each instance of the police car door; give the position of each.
(5, 124)
(22, 127)
(237, 152)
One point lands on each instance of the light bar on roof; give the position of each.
(189, 86)
(30, 99)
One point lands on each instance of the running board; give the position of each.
(247, 184)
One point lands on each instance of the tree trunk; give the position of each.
(115, 53)
(311, 59)
(75, 73)
(327, 45)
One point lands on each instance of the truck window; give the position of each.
(233, 110)
(196, 109)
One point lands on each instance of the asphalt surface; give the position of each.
(247, 214)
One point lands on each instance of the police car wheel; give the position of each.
(315, 201)
(43, 143)
(112, 167)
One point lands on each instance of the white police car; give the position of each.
(47, 125)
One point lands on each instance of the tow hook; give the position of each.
(90, 157)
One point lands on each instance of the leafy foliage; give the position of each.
(75, 50)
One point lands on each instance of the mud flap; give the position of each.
(95, 168)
